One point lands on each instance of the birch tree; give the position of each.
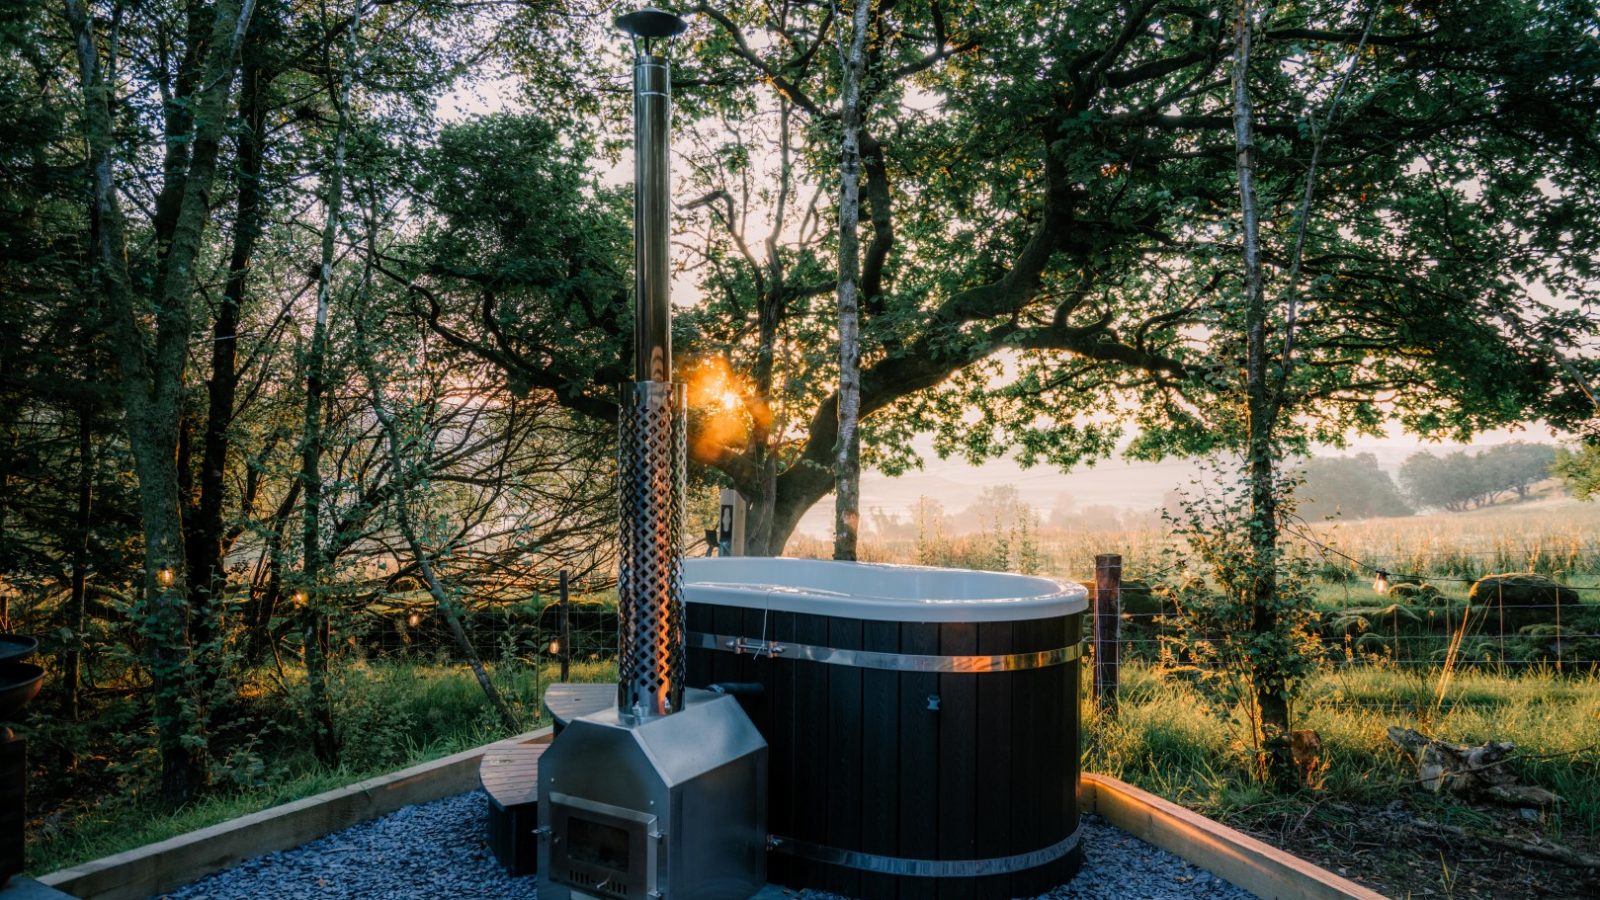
(1269, 395)
(1261, 450)
(847, 460)
(323, 737)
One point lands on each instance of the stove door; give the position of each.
(603, 850)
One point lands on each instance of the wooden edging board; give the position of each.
(154, 868)
(1233, 856)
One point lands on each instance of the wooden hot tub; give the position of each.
(922, 723)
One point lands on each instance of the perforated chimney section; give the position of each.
(650, 662)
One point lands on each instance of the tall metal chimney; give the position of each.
(634, 803)
(652, 422)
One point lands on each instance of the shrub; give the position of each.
(1526, 598)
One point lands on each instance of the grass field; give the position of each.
(1555, 536)
(1159, 742)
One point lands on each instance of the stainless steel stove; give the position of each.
(668, 807)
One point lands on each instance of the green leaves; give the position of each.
(1579, 469)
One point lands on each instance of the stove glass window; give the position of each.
(597, 844)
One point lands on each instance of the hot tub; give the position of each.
(923, 723)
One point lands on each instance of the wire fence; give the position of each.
(1508, 622)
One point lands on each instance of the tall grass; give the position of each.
(1559, 537)
(389, 714)
(1162, 742)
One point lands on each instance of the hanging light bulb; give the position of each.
(1380, 584)
(165, 577)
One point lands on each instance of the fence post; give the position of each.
(566, 629)
(1107, 628)
(1557, 595)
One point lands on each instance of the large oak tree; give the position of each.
(1051, 231)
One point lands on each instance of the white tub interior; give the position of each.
(877, 591)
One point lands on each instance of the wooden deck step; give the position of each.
(567, 701)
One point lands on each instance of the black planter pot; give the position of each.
(19, 683)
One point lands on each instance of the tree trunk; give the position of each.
(264, 597)
(847, 452)
(1268, 680)
(72, 666)
(324, 741)
(206, 532)
(153, 382)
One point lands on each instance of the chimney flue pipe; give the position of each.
(652, 421)
(652, 117)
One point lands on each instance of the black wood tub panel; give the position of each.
(880, 758)
(957, 777)
(919, 759)
(997, 787)
(810, 736)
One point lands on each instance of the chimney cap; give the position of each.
(651, 23)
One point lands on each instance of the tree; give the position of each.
(847, 457)
(1515, 467)
(1255, 575)
(1459, 480)
(1349, 487)
(315, 645)
(153, 376)
(1049, 227)
(1579, 469)
(1444, 482)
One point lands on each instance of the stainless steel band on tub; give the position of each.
(925, 868)
(874, 659)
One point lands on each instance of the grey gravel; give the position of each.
(438, 850)
(1117, 864)
(434, 850)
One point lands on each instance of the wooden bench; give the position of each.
(509, 774)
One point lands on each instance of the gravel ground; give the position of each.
(437, 850)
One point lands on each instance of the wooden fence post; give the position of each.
(566, 629)
(1107, 628)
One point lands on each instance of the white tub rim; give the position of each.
(880, 592)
